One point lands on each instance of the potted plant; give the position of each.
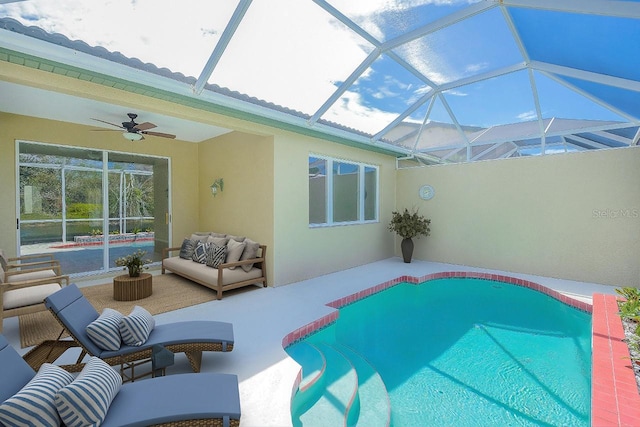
(134, 263)
(409, 225)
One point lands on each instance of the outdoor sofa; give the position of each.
(218, 261)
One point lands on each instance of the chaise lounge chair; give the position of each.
(176, 400)
(74, 312)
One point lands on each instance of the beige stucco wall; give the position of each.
(245, 206)
(302, 252)
(574, 216)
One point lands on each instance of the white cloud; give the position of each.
(527, 116)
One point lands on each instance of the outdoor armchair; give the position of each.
(20, 297)
(19, 269)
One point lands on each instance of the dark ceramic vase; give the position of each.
(407, 249)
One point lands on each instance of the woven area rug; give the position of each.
(170, 292)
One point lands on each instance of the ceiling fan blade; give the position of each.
(145, 126)
(160, 134)
(105, 130)
(112, 124)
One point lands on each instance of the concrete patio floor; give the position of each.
(262, 317)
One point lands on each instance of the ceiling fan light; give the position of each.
(132, 136)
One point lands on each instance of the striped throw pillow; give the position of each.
(216, 255)
(105, 330)
(136, 327)
(34, 404)
(86, 400)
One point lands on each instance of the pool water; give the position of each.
(458, 352)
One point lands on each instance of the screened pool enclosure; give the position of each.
(429, 81)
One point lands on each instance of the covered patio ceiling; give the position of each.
(432, 81)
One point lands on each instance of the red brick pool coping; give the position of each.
(615, 400)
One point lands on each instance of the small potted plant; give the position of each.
(409, 225)
(134, 263)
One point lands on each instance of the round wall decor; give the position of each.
(426, 192)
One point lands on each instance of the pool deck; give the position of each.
(266, 318)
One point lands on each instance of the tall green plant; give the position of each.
(630, 307)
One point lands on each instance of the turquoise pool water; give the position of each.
(454, 352)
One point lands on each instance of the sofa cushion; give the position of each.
(207, 275)
(199, 237)
(234, 251)
(105, 330)
(187, 248)
(31, 295)
(34, 404)
(200, 252)
(250, 252)
(31, 275)
(136, 327)
(218, 241)
(236, 238)
(86, 400)
(216, 255)
(212, 234)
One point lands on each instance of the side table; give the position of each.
(127, 288)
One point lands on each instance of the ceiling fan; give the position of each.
(134, 131)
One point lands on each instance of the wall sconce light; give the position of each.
(218, 184)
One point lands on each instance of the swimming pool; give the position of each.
(448, 352)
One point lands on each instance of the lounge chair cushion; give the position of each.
(86, 400)
(175, 397)
(34, 403)
(28, 296)
(216, 255)
(136, 327)
(105, 330)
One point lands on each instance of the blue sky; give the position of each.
(293, 53)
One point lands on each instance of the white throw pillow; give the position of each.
(234, 251)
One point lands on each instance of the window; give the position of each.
(341, 192)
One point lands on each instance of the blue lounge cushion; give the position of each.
(86, 400)
(105, 330)
(175, 397)
(136, 327)
(34, 403)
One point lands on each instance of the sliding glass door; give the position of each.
(90, 207)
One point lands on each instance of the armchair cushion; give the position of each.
(30, 275)
(34, 403)
(31, 295)
(86, 400)
(105, 330)
(137, 326)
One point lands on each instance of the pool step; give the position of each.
(328, 405)
(374, 404)
(311, 361)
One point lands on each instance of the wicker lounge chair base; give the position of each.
(47, 352)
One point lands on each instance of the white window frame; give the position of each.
(361, 192)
